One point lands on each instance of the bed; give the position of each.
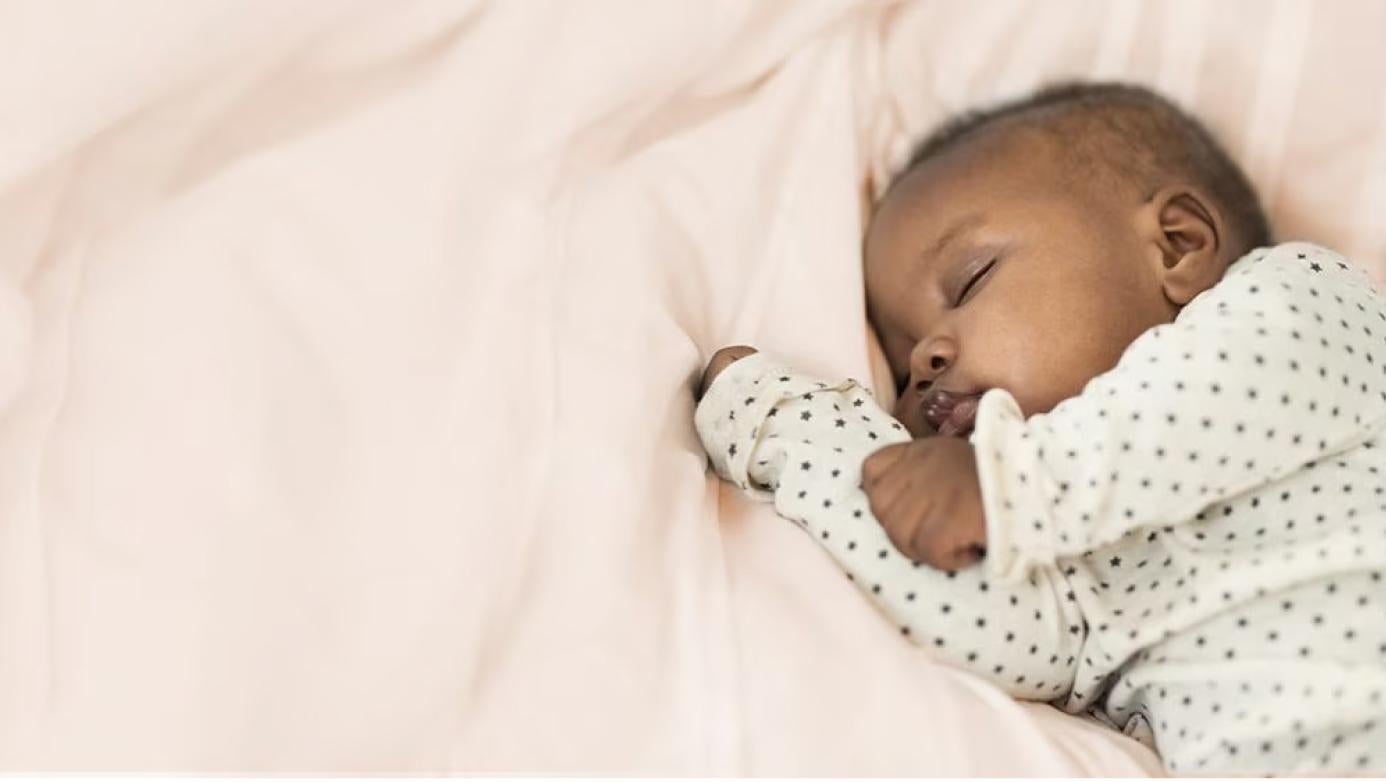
(347, 349)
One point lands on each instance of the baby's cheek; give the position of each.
(1044, 393)
(1041, 363)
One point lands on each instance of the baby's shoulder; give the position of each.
(1294, 285)
(1297, 264)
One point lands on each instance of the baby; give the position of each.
(1156, 494)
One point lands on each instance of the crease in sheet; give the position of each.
(1369, 236)
(1277, 87)
(43, 687)
(38, 689)
(1032, 46)
(335, 95)
(1116, 40)
(497, 628)
(1182, 38)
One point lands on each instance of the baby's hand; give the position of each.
(926, 495)
(720, 361)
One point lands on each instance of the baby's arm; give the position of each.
(1279, 365)
(800, 442)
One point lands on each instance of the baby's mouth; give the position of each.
(951, 414)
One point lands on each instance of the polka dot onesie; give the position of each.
(1192, 549)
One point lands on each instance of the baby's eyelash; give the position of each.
(962, 295)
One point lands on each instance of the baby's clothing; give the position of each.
(1193, 549)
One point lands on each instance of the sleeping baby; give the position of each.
(1135, 466)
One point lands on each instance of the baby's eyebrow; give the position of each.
(960, 227)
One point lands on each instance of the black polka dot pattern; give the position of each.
(1192, 549)
(1276, 368)
(1025, 639)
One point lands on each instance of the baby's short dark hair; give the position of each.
(1124, 129)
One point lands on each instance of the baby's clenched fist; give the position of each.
(926, 495)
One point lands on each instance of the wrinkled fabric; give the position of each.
(346, 357)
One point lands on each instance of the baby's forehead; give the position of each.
(1094, 152)
(975, 177)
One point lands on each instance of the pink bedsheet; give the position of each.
(345, 366)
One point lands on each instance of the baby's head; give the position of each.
(1026, 246)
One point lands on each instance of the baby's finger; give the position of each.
(908, 527)
(882, 496)
(959, 557)
(889, 487)
(944, 544)
(924, 544)
(879, 463)
(902, 509)
(902, 535)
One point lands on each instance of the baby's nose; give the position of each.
(931, 358)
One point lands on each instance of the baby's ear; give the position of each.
(1188, 235)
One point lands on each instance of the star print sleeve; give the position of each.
(1278, 365)
(740, 399)
(804, 449)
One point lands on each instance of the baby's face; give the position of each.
(986, 269)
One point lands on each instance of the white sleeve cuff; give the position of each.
(1019, 527)
(730, 417)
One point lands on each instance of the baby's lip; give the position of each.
(950, 413)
